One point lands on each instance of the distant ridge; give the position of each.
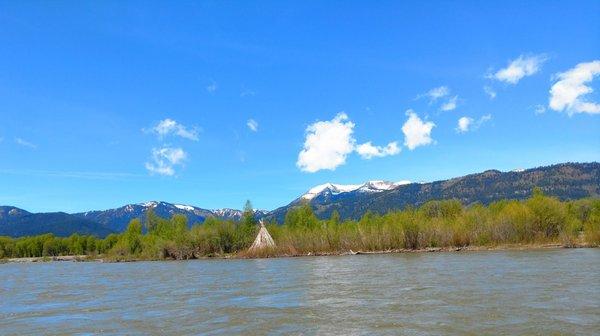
(17, 222)
(118, 218)
(565, 181)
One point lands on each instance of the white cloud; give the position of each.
(539, 109)
(327, 144)
(463, 124)
(485, 118)
(569, 91)
(25, 143)
(436, 93)
(519, 68)
(416, 132)
(489, 91)
(368, 151)
(165, 159)
(252, 125)
(168, 127)
(466, 124)
(450, 104)
(212, 87)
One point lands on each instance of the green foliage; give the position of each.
(335, 218)
(301, 217)
(248, 228)
(130, 242)
(539, 219)
(248, 216)
(549, 215)
(442, 209)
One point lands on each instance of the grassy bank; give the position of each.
(445, 225)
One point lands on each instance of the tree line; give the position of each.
(448, 223)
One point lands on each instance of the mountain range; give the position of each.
(565, 181)
(17, 222)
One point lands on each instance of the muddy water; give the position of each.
(501, 292)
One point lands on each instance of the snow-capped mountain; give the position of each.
(377, 186)
(235, 214)
(329, 188)
(565, 181)
(117, 219)
(336, 189)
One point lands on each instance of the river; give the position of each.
(552, 291)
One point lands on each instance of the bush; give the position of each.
(539, 219)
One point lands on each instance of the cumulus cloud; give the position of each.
(252, 125)
(489, 91)
(463, 124)
(466, 124)
(519, 68)
(436, 93)
(25, 143)
(568, 93)
(327, 144)
(165, 159)
(168, 127)
(416, 132)
(450, 104)
(368, 151)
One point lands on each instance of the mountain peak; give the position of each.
(335, 189)
(10, 211)
(331, 188)
(378, 185)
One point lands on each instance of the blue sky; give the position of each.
(108, 103)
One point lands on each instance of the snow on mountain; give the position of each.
(377, 186)
(184, 207)
(228, 213)
(332, 188)
(117, 219)
(235, 214)
(335, 189)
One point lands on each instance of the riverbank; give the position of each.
(434, 226)
(52, 258)
(273, 254)
(504, 247)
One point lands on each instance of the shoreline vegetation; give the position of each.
(537, 222)
(271, 254)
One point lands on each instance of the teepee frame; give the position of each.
(263, 239)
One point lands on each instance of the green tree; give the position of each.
(549, 214)
(248, 229)
(301, 217)
(248, 217)
(335, 218)
(132, 236)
